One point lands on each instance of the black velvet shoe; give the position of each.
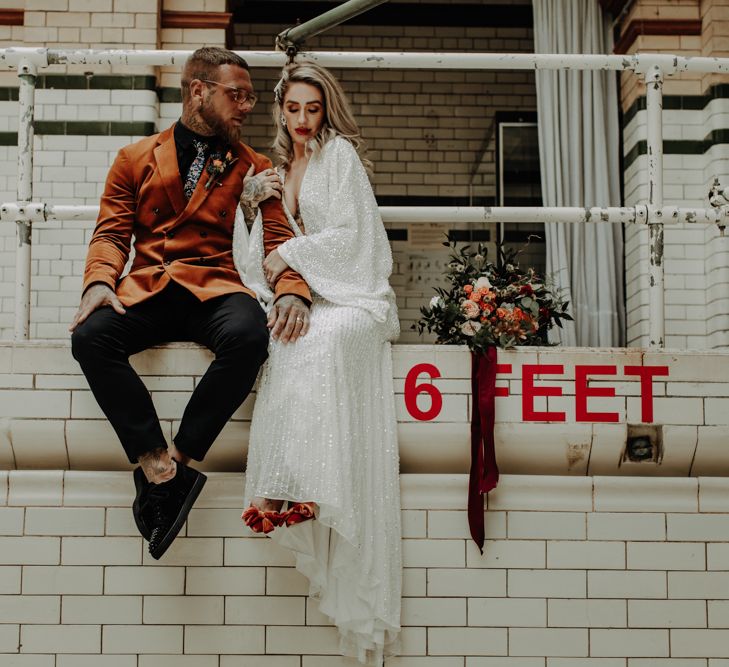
(142, 486)
(168, 505)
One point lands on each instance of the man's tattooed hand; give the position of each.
(259, 187)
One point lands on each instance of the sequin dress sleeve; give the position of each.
(344, 256)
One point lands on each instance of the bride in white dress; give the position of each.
(323, 437)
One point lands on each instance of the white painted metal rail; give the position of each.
(653, 67)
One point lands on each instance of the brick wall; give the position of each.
(694, 113)
(576, 572)
(428, 133)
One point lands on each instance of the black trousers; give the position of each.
(233, 326)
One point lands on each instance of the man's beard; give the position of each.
(229, 132)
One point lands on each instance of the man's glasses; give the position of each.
(238, 95)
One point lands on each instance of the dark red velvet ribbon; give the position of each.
(484, 471)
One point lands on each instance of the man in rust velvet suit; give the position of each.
(176, 193)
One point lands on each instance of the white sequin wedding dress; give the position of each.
(324, 426)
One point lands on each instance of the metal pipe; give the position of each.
(26, 104)
(38, 212)
(293, 38)
(641, 63)
(656, 297)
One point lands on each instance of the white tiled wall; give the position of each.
(695, 255)
(575, 572)
(50, 420)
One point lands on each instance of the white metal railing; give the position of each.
(653, 67)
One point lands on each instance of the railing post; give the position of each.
(654, 101)
(26, 108)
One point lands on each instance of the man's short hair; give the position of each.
(204, 63)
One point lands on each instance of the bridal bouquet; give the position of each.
(492, 305)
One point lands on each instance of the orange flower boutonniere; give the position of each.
(217, 165)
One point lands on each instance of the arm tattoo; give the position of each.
(254, 191)
(249, 212)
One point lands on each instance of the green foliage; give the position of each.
(492, 304)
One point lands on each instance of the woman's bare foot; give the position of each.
(267, 505)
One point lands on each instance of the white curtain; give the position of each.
(578, 154)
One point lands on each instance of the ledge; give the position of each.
(49, 419)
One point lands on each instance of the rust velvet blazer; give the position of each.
(189, 242)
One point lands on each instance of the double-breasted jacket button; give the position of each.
(223, 213)
(155, 211)
(170, 234)
(203, 234)
(203, 260)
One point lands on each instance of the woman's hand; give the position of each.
(273, 267)
(259, 187)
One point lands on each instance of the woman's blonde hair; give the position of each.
(338, 118)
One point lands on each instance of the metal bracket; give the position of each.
(719, 199)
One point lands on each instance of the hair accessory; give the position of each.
(278, 91)
(283, 120)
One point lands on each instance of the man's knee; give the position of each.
(245, 337)
(88, 339)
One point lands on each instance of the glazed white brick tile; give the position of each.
(718, 610)
(9, 638)
(295, 639)
(548, 642)
(444, 582)
(179, 610)
(619, 642)
(39, 579)
(64, 521)
(530, 554)
(700, 643)
(103, 609)
(255, 661)
(667, 556)
(626, 585)
(144, 580)
(504, 662)
(285, 581)
(229, 640)
(506, 612)
(717, 556)
(620, 526)
(437, 611)
(547, 584)
(467, 641)
(203, 551)
(227, 581)
(589, 555)
(11, 520)
(546, 525)
(30, 609)
(28, 661)
(667, 613)
(705, 527)
(101, 551)
(255, 551)
(35, 488)
(586, 613)
(61, 638)
(434, 553)
(242, 610)
(142, 639)
(30, 550)
(10, 577)
(620, 494)
(698, 585)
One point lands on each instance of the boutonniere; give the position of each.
(217, 165)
